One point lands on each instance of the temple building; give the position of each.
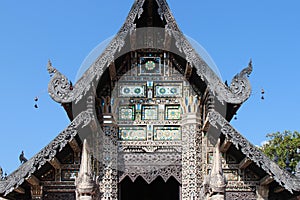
(150, 119)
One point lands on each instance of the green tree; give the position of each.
(282, 145)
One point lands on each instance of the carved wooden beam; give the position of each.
(75, 146)
(177, 65)
(278, 189)
(33, 180)
(112, 71)
(245, 163)
(20, 190)
(55, 163)
(167, 42)
(266, 180)
(37, 192)
(188, 70)
(206, 125)
(225, 146)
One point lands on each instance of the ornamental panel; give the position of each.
(126, 113)
(231, 174)
(133, 90)
(210, 157)
(133, 133)
(59, 196)
(167, 133)
(149, 112)
(167, 90)
(240, 195)
(172, 112)
(69, 174)
(150, 66)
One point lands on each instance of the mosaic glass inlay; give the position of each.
(132, 90)
(68, 175)
(167, 133)
(172, 112)
(126, 113)
(210, 157)
(168, 90)
(133, 133)
(150, 66)
(149, 112)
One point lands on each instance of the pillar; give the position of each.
(191, 150)
(109, 172)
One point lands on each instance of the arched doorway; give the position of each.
(156, 190)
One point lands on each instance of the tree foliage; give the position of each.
(281, 146)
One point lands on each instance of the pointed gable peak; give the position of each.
(144, 14)
(150, 15)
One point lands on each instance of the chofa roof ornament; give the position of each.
(237, 93)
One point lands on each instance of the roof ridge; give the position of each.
(16, 178)
(61, 92)
(282, 177)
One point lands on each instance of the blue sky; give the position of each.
(66, 31)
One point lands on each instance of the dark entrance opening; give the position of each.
(141, 190)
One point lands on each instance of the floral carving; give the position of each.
(285, 179)
(237, 93)
(15, 179)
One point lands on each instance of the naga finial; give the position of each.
(50, 68)
(248, 70)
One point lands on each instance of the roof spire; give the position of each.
(86, 187)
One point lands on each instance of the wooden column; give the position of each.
(109, 172)
(191, 157)
(192, 176)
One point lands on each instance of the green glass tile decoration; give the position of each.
(150, 66)
(132, 133)
(69, 175)
(149, 112)
(172, 112)
(167, 90)
(167, 133)
(133, 90)
(126, 113)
